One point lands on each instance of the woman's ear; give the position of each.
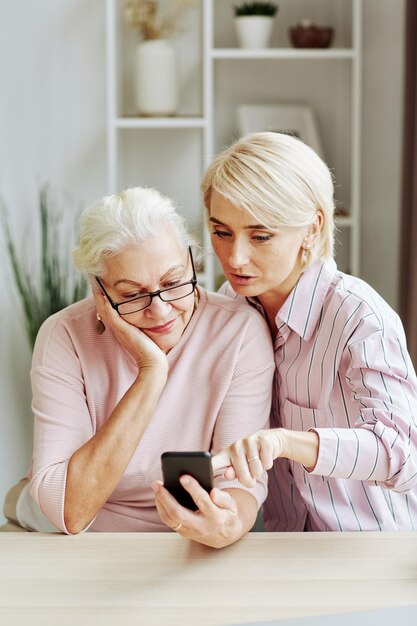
(311, 234)
(313, 231)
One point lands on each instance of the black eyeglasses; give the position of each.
(169, 294)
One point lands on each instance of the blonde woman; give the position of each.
(342, 450)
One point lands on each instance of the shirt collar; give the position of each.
(301, 310)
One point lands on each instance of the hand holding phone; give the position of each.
(195, 464)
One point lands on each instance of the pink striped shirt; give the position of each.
(219, 389)
(342, 369)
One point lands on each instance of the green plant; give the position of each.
(48, 284)
(268, 9)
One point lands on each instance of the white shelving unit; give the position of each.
(172, 153)
(169, 153)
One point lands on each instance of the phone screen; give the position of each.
(195, 464)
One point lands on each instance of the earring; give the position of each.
(305, 252)
(100, 328)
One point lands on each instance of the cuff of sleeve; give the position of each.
(48, 491)
(259, 491)
(327, 454)
(350, 453)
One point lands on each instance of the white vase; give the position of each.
(254, 31)
(156, 78)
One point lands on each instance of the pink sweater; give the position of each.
(218, 390)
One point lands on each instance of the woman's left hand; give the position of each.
(145, 351)
(216, 523)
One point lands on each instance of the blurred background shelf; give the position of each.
(171, 153)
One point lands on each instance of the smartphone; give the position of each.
(195, 464)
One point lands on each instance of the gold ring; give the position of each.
(177, 527)
(254, 458)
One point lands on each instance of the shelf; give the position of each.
(159, 122)
(215, 78)
(344, 222)
(283, 53)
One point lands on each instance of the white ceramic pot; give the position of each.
(254, 31)
(156, 78)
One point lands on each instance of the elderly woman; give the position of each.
(345, 394)
(151, 363)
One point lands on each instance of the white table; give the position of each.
(160, 578)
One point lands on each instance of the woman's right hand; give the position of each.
(145, 351)
(248, 458)
(95, 469)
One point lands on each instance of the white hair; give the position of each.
(122, 220)
(279, 181)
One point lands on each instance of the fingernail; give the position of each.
(184, 480)
(155, 487)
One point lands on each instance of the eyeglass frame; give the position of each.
(151, 294)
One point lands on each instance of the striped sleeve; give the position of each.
(382, 445)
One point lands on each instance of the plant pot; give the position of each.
(311, 36)
(156, 78)
(254, 31)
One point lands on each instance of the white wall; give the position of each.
(52, 127)
(383, 67)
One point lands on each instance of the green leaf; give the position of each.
(268, 9)
(47, 284)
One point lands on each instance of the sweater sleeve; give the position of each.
(247, 404)
(62, 420)
(382, 446)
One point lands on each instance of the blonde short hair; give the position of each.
(122, 220)
(279, 181)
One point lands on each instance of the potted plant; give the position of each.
(48, 284)
(156, 72)
(254, 23)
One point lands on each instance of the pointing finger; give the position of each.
(221, 461)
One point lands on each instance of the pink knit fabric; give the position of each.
(218, 390)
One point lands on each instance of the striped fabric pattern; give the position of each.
(342, 369)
